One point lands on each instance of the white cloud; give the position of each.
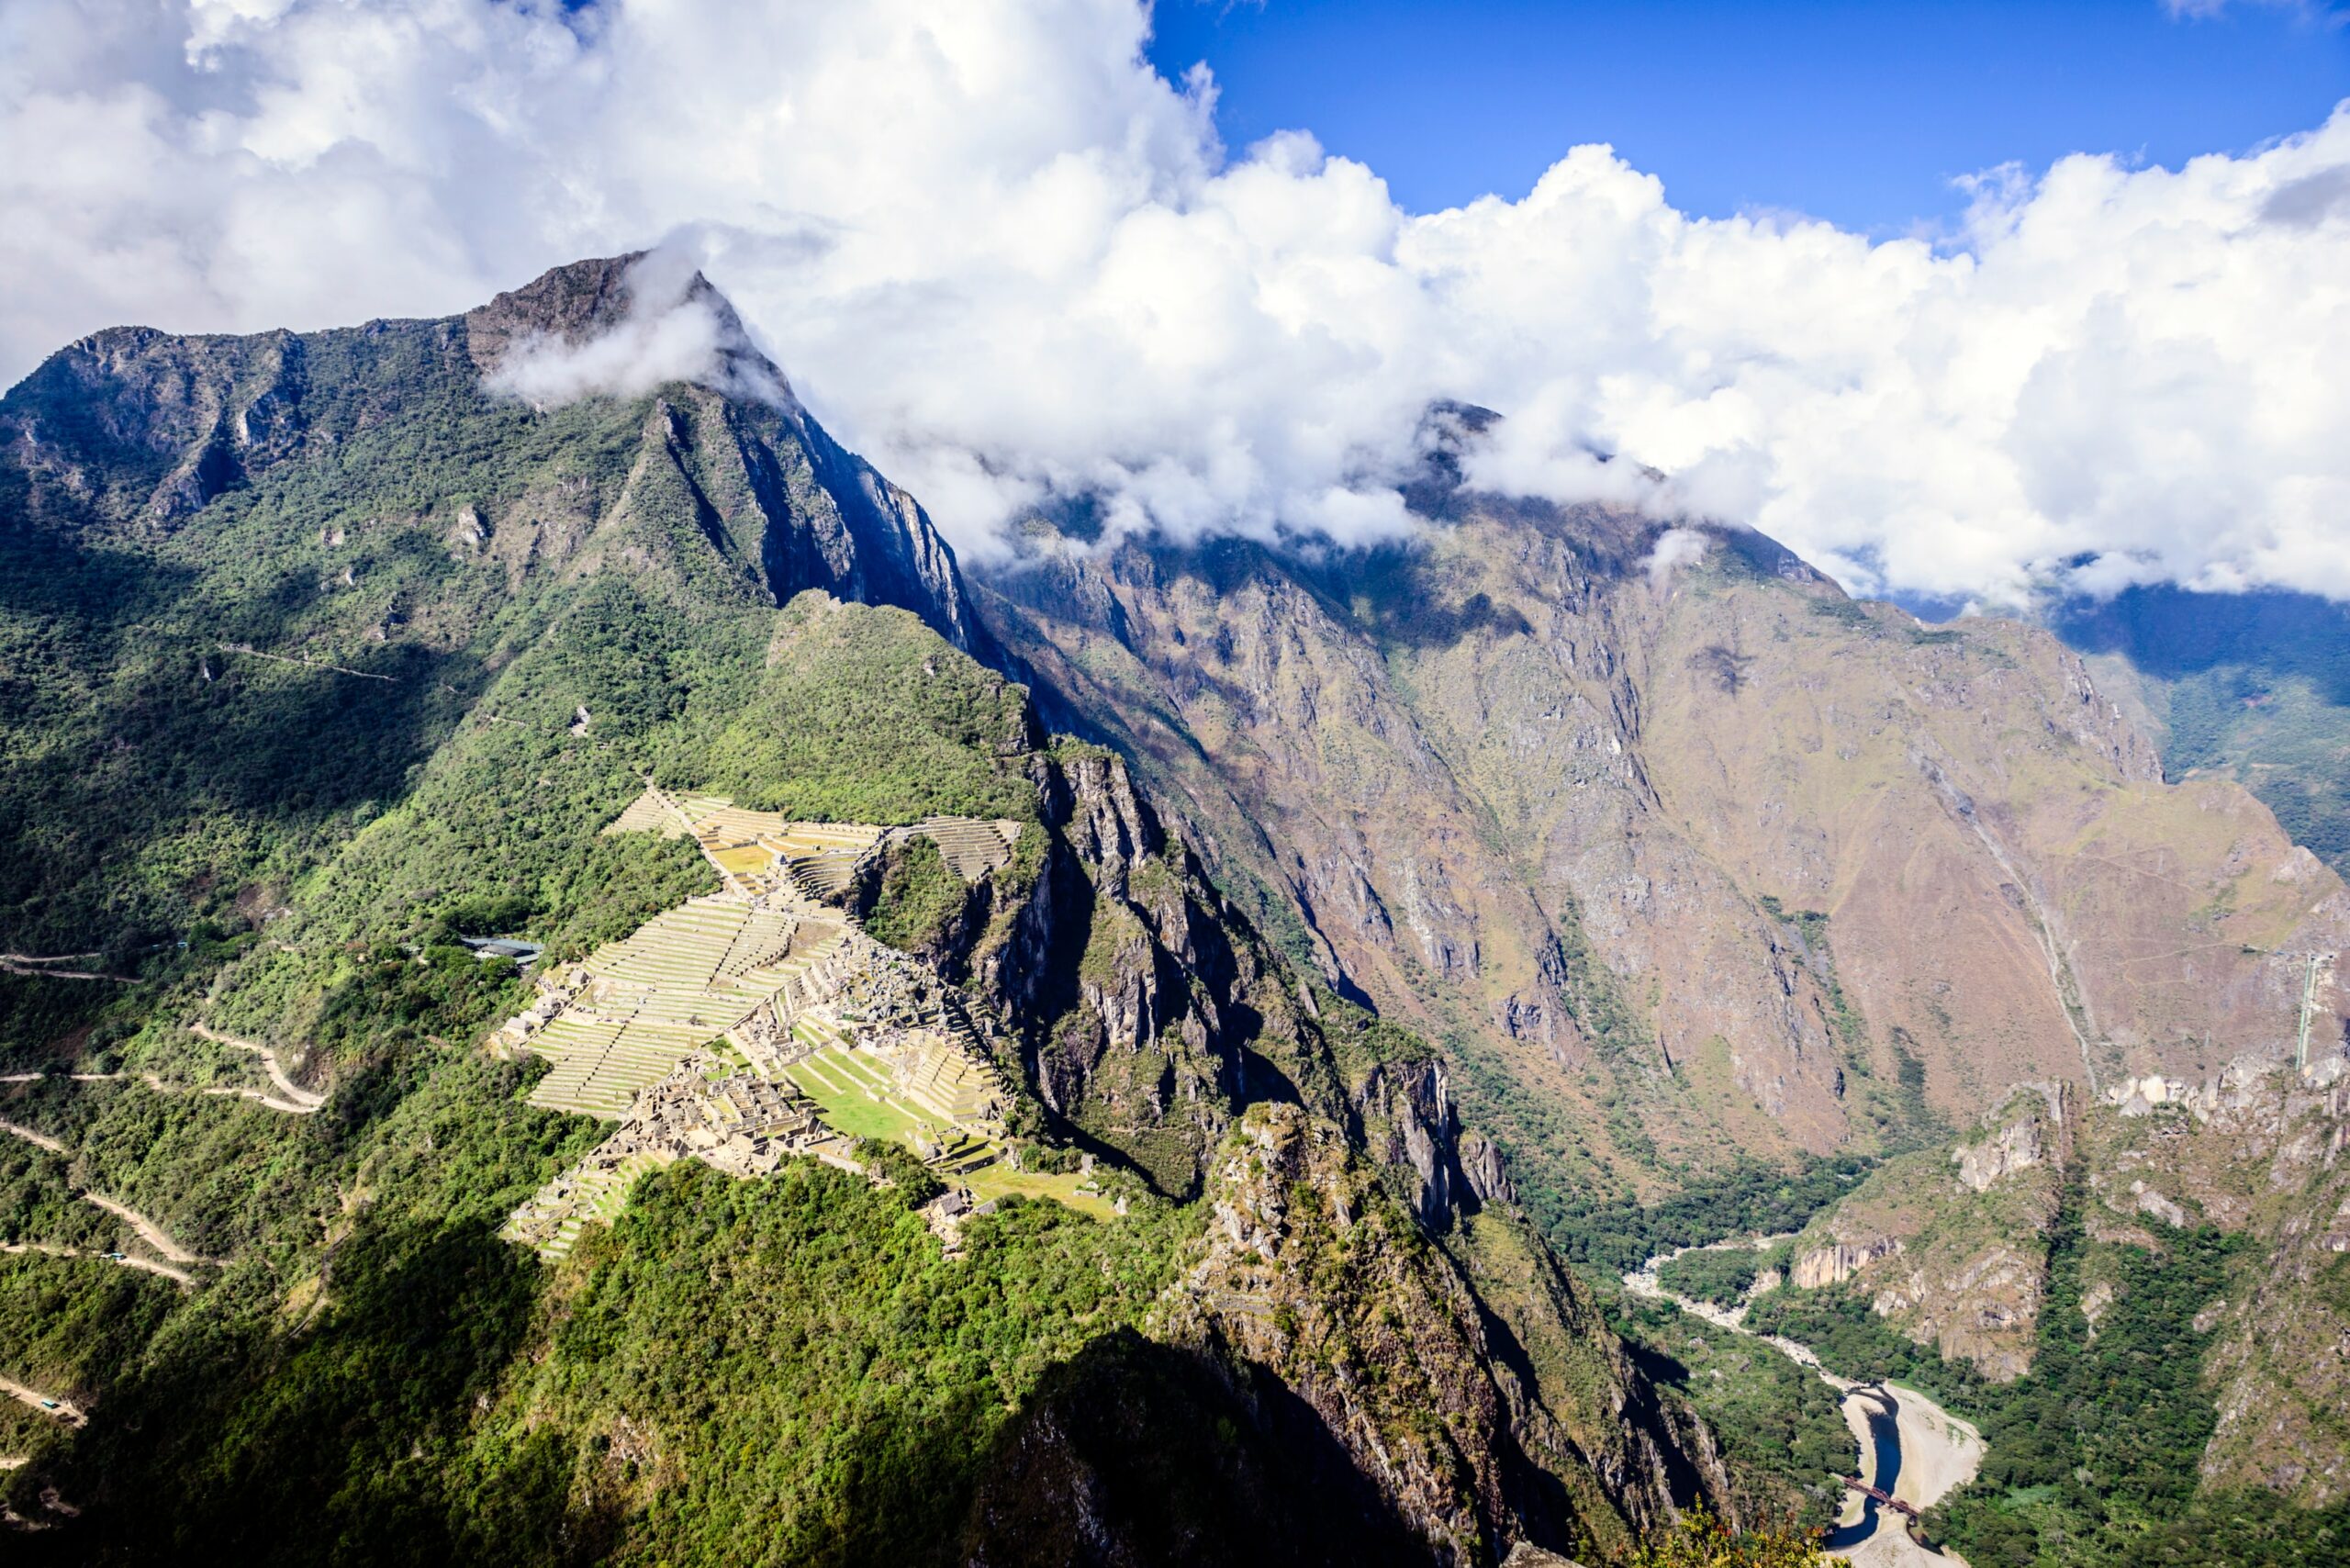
(2204, 10)
(1004, 259)
(1675, 548)
(671, 331)
(664, 336)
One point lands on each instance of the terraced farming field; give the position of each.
(853, 1093)
(999, 1180)
(595, 1194)
(871, 1043)
(856, 1092)
(678, 981)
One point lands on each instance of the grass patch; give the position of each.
(841, 1098)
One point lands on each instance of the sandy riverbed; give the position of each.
(1940, 1452)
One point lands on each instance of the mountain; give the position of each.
(572, 990)
(1669, 841)
(345, 669)
(2254, 687)
(357, 496)
(2141, 1296)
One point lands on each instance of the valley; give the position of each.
(633, 1008)
(1713, 861)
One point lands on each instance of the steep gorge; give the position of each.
(1686, 848)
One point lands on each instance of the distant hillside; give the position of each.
(2253, 686)
(2143, 1296)
(1687, 859)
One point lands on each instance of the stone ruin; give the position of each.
(686, 1031)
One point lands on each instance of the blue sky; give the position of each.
(1859, 113)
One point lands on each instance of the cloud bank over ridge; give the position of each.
(1005, 259)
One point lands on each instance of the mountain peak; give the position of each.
(573, 303)
(568, 307)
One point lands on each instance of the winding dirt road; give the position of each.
(46, 968)
(297, 1100)
(64, 1410)
(26, 1133)
(145, 1265)
(149, 1231)
(154, 1080)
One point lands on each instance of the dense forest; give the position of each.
(2093, 1456)
(1721, 1276)
(1755, 1199)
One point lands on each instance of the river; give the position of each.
(1907, 1446)
(1879, 1416)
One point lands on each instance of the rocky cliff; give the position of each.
(1950, 1246)
(1953, 1247)
(2262, 1152)
(1144, 1011)
(134, 429)
(1474, 1383)
(1683, 843)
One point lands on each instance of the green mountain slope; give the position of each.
(324, 659)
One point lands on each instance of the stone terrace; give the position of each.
(767, 852)
(634, 1008)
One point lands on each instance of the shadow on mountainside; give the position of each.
(254, 1447)
(2170, 632)
(153, 731)
(1138, 1454)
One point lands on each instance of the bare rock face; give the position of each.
(1744, 853)
(135, 428)
(1834, 1264)
(572, 305)
(2013, 1149)
(1407, 1108)
(1481, 1165)
(1524, 1555)
(1984, 1311)
(2150, 1202)
(1146, 1012)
